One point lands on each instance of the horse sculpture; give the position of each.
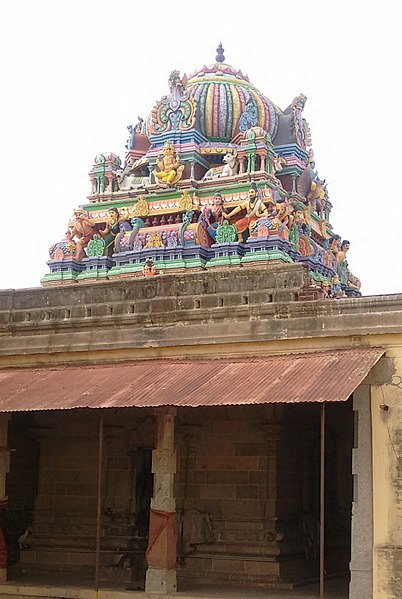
(228, 169)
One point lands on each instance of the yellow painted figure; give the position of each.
(169, 165)
(254, 207)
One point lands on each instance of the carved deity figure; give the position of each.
(340, 251)
(110, 232)
(300, 126)
(83, 229)
(149, 269)
(254, 207)
(277, 164)
(169, 164)
(342, 262)
(212, 217)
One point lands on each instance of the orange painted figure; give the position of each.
(149, 269)
(254, 207)
(84, 229)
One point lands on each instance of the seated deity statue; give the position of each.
(212, 217)
(169, 164)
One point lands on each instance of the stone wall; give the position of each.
(254, 470)
(251, 312)
(66, 485)
(386, 417)
(205, 313)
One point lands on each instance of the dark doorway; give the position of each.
(299, 490)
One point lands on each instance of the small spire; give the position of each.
(220, 56)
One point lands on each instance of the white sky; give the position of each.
(75, 74)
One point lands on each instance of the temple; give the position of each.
(216, 175)
(198, 401)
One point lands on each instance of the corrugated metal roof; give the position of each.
(309, 377)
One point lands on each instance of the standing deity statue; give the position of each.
(112, 229)
(83, 229)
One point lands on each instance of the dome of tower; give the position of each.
(226, 99)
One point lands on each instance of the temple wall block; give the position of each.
(386, 412)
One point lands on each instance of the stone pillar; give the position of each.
(110, 179)
(272, 432)
(241, 163)
(161, 552)
(361, 564)
(4, 469)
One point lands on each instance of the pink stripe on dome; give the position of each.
(242, 97)
(196, 92)
(223, 110)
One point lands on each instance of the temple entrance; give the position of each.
(52, 497)
(298, 498)
(247, 491)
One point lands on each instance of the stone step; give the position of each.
(80, 529)
(61, 540)
(59, 558)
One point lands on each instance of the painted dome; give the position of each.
(226, 99)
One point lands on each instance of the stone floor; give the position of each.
(334, 589)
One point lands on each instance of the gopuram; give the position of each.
(216, 175)
(185, 404)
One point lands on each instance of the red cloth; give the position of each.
(3, 551)
(161, 552)
(244, 223)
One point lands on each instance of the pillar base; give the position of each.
(161, 581)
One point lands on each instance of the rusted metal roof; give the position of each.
(292, 378)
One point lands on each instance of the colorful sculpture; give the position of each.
(159, 200)
(112, 229)
(229, 168)
(149, 269)
(254, 207)
(169, 164)
(176, 111)
(212, 217)
(83, 228)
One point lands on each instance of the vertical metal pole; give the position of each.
(322, 500)
(99, 507)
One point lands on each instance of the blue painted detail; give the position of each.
(66, 265)
(178, 137)
(272, 242)
(223, 250)
(97, 263)
(249, 118)
(289, 150)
